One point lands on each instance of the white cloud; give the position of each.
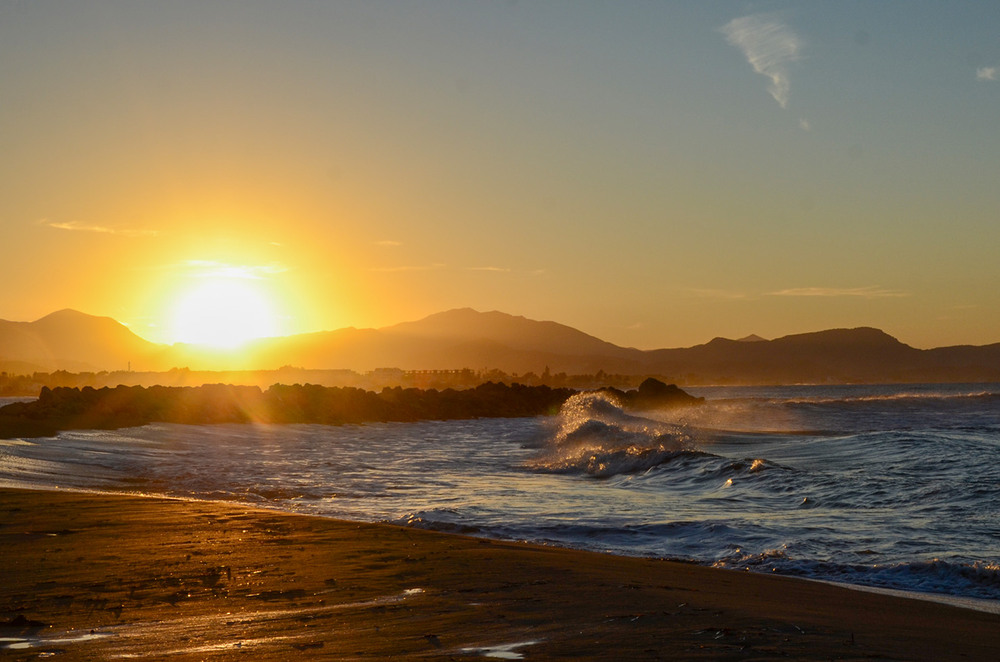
(986, 73)
(769, 46)
(804, 124)
(77, 226)
(213, 269)
(870, 292)
(708, 293)
(438, 266)
(427, 267)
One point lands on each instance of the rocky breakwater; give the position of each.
(127, 406)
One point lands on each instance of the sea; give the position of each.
(889, 488)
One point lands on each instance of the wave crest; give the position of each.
(593, 435)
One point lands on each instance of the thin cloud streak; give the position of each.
(714, 294)
(986, 73)
(870, 292)
(212, 269)
(76, 226)
(435, 267)
(390, 270)
(769, 46)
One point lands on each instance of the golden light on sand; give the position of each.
(223, 313)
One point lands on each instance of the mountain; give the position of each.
(71, 340)
(465, 338)
(453, 340)
(516, 332)
(837, 355)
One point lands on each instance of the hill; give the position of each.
(453, 340)
(71, 340)
(465, 338)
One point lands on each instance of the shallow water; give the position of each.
(880, 486)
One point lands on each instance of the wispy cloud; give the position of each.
(437, 267)
(987, 73)
(708, 293)
(213, 269)
(424, 267)
(870, 292)
(499, 269)
(77, 226)
(388, 242)
(769, 46)
(805, 125)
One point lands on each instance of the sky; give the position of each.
(652, 173)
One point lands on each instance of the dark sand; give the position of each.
(89, 576)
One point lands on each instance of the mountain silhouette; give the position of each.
(453, 340)
(516, 332)
(464, 338)
(837, 355)
(71, 340)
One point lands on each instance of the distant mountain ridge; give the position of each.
(71, 340)
(465, 338)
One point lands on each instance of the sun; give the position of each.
(223, 313)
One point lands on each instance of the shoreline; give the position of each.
(983, 605)
(98, 575)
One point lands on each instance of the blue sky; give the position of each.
(654, 173)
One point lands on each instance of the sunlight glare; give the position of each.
(223, 313)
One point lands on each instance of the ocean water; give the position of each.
(894, 487)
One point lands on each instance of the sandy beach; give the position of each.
(88, 576)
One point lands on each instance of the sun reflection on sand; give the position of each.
(500, 652)
(139, 637)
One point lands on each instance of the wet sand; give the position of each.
(86, 576)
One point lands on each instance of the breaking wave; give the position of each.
(593, 435)
(877, 486)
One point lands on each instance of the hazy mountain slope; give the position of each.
(464, 338)
(963, 362)
(515, 332)
(862, 354)
(454, 340)
(71, 340)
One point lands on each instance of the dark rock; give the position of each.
(653, 393)
(64, 408)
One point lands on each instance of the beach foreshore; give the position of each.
(97, 576)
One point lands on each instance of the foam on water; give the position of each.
(593, 435)
(976, 580)
(890, 487)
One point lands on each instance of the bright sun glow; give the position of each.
(223, 313)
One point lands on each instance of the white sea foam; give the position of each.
(593, 435)
(895, 492)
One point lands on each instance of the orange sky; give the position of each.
(655, 174)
